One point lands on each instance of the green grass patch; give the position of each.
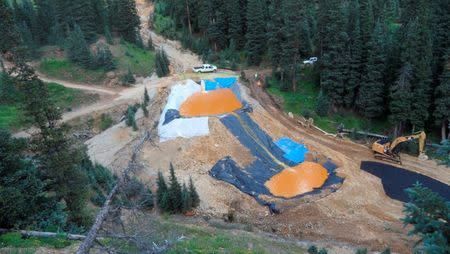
(63, 97)
(10, 117)
(303, 102)
(63, 69)
(140, 61)
(15, 240)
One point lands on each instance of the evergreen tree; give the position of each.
(355, 50)
(371, 92)
(161, 63)
(442, 102)
(235, 24)
(193, 195)
(255, 36)
(162, 193)
(131, 117)
(27, 39)
(146, 96)
(274, 33)
(9, 38)
(128, 23)
(175, 195)
(322, 104)
(128, 78)
(417, 51)
(400, 99)
(22, 192)
(334, 65)
(428, 213)
(292, 41)
(216, 30)
(186, 200)
(104, 58)
(78, 50)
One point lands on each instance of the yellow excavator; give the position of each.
(384, 149)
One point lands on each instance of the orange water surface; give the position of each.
(297, 180)
(216, 102)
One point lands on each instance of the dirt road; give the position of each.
(181, 60)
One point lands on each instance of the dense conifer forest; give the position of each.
(384, 60)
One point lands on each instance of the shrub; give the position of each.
(128, 78)
(104, 58)
(105, 122)
(162, 63)
(323, 251)
(313, 249)
(361, 251)
(130, 117)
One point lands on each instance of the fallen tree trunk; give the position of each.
(31, 233)
(101, 216)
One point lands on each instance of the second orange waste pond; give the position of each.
(297, 180)
(216, 102)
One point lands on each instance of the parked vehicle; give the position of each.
(205, 68)
(311, 60)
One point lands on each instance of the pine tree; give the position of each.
(162, 193)
(400, 99)
(322, 104)
(78, 50)
(216, 30)
(128, 78)
(417, 51)
(292, 41)
(334, 65)
(371, 93)
(128, 23)
(442, 101)
(175, 195)
(146, 96)
(22, 191)
(186, 200)
(193, 195)
(27, 39)
(161, 63)
(235, 24)
(355, 49)
(256, 38)
(274, 33)
(9, 37)
(428, 213)
(104, 58)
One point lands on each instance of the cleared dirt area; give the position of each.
(359, 212)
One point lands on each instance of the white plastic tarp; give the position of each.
(182, 127)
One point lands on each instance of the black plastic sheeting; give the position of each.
(171, 114)
(269, 161)
(395, 180)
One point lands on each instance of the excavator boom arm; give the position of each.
(421, 136)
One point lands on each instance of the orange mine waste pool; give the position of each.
(216, 102)
(297, 180)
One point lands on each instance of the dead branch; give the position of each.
(101, 216)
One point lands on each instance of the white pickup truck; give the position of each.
(205, 68)
(311, 60)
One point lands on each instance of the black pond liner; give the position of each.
(395, 180)
(252, 178)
